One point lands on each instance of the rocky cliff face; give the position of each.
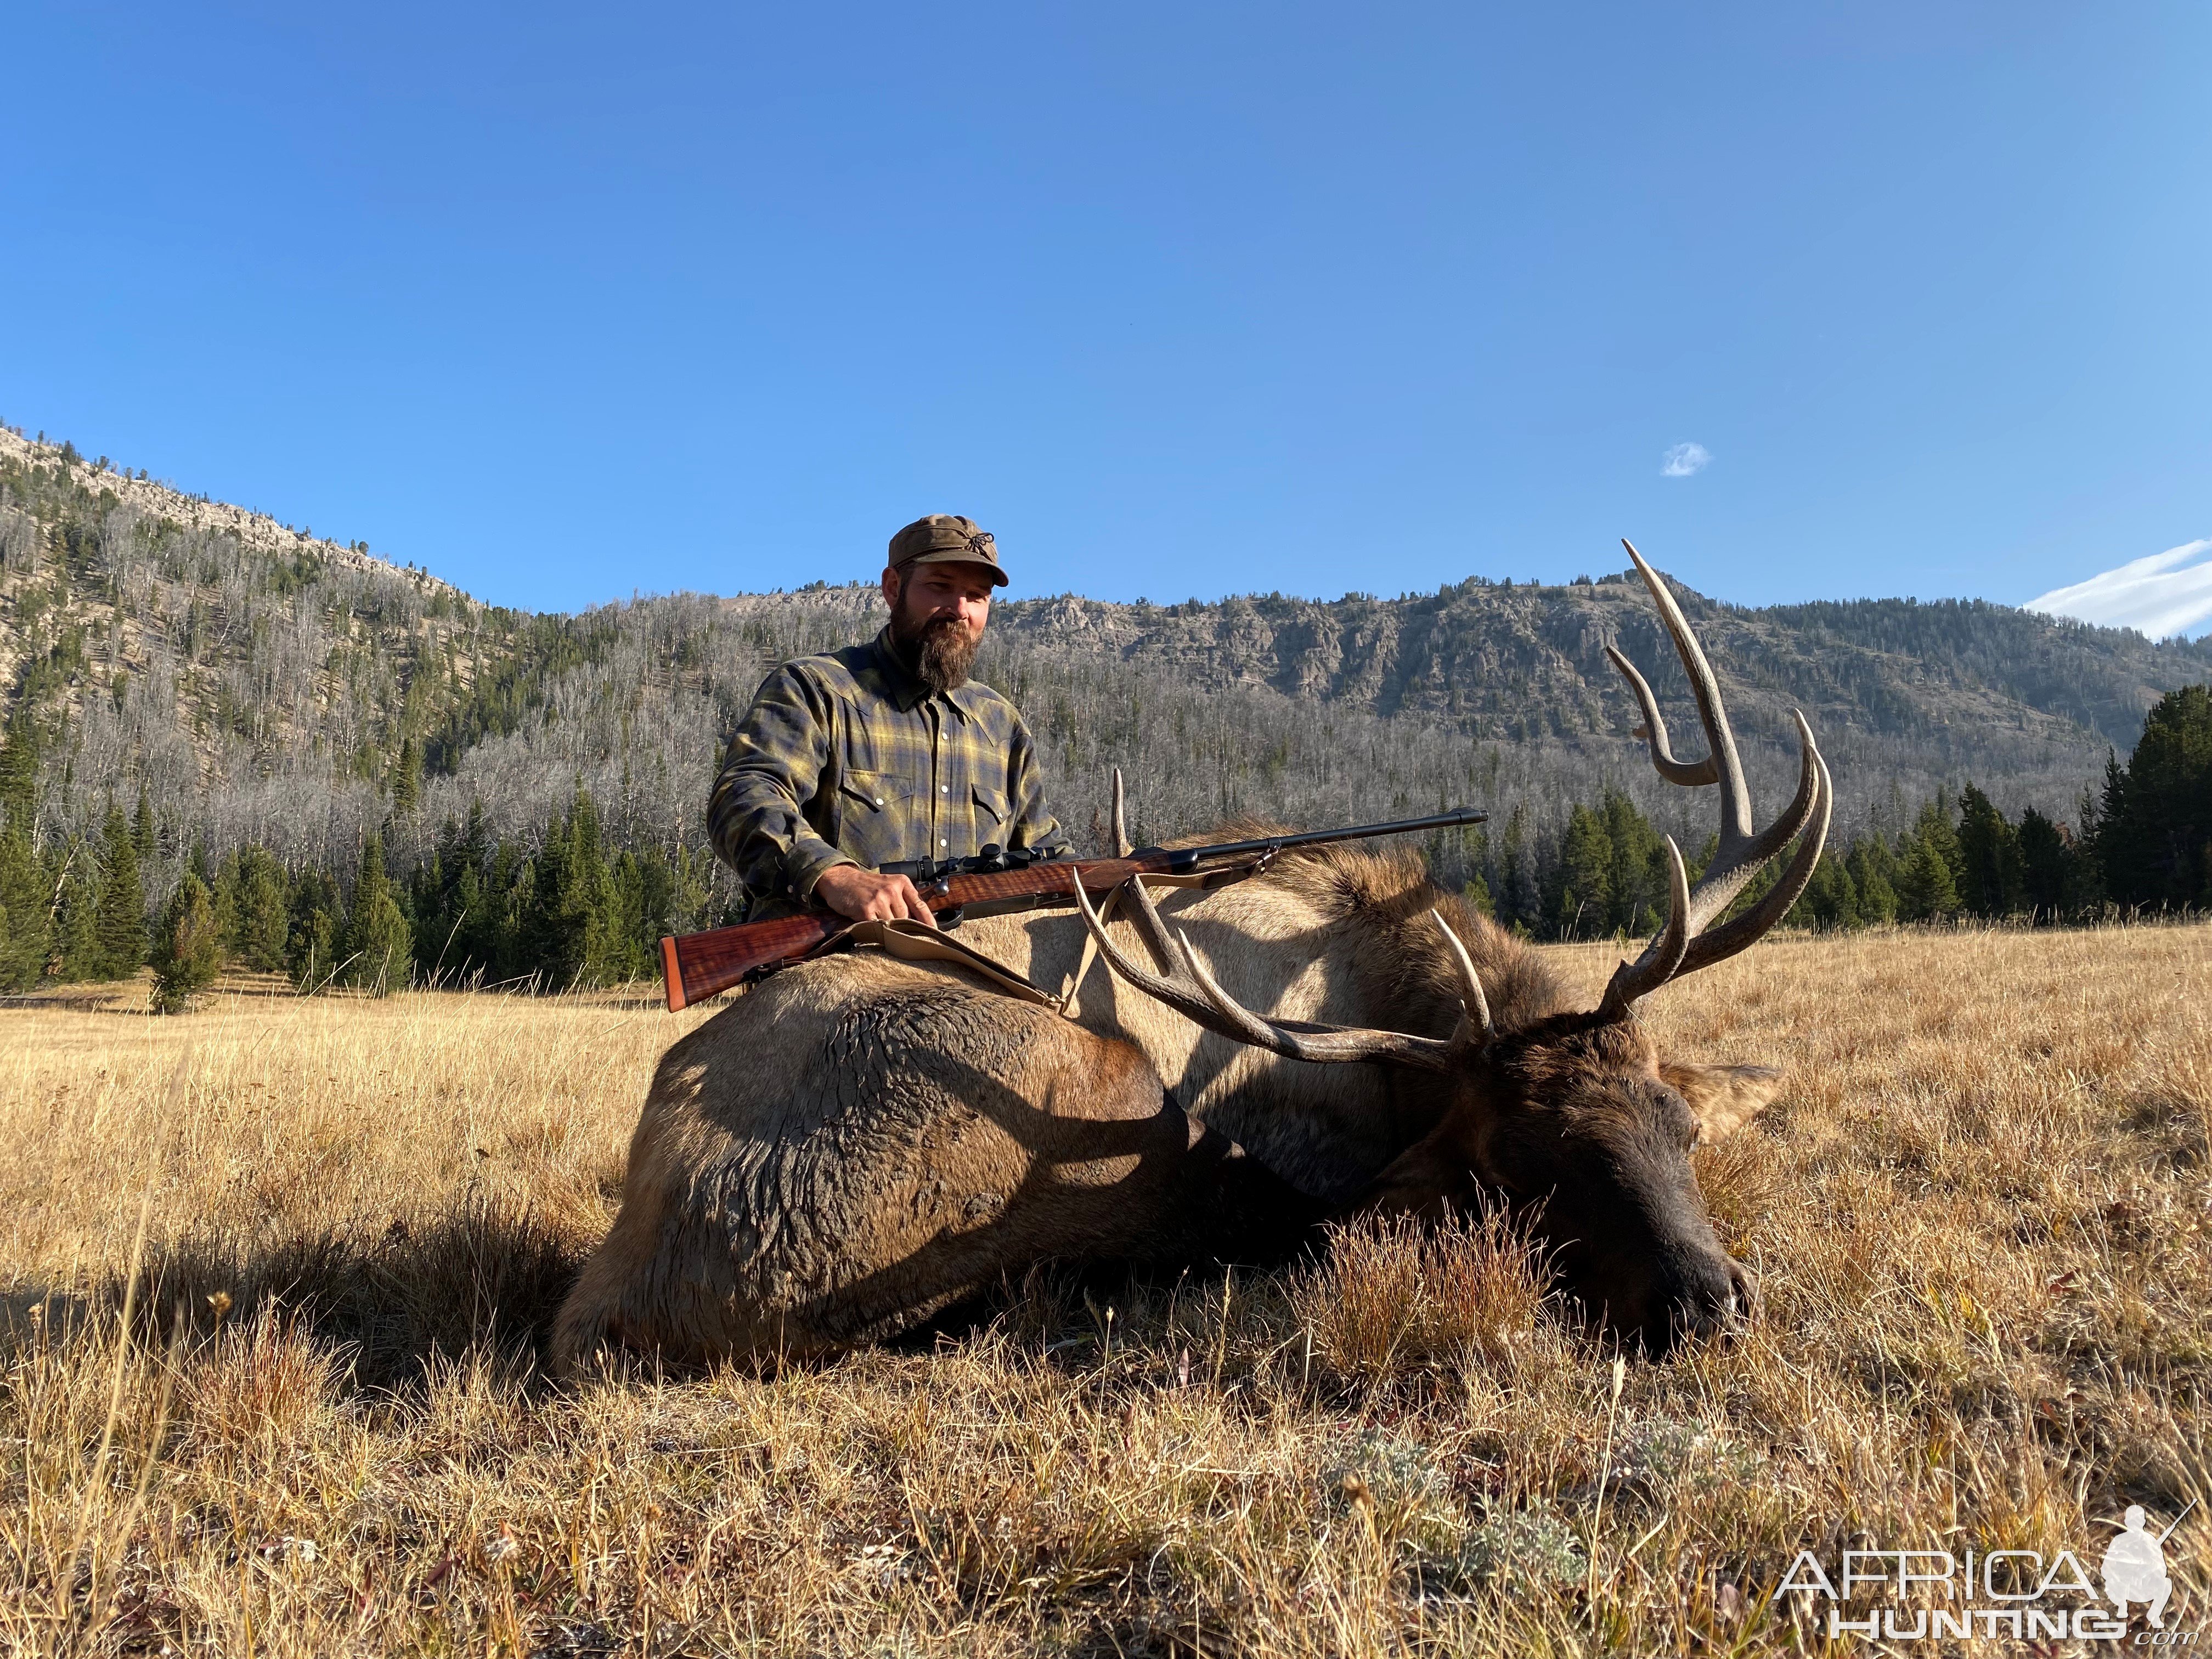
(1506, 661)
(1956, 686)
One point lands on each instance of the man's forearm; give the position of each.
(759, 831)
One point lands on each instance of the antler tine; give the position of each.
(1474, 1024)
(1731, 869)
(1662, 959)
(1199, 998)
(1725, 767)
(1123, 845)
(1158, 940)
(1176, 996)
(1301, 1040)
(1654, 731)
(1726, 940)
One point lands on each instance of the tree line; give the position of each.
(567, 907)
(559, 910)
(2143, 843)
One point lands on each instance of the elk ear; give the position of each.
(1421, 1180)
(1724, 1098)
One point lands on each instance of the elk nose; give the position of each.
(1744, 1305)
(1718, 1301)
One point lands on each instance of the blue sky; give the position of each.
(1178, 301)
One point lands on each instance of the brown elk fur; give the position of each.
(855, 1143)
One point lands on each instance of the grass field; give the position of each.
(1981, 1212)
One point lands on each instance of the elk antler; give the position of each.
(1194, 993)
(1684, 945)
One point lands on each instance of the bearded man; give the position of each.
(884, 752)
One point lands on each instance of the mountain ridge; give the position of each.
(259, 683)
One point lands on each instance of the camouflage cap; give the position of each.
(946, 539)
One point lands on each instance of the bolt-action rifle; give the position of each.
(994, 883)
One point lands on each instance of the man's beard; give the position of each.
(941, 651)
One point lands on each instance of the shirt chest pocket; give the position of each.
(993, 813)
(878, 816)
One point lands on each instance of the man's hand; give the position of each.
(864, 896)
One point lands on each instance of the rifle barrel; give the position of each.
(696, 966)
(1458, 817)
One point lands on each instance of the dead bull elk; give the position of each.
(855, 1143)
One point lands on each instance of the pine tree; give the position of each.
(597, 897)
(261, 921)
(1926, 890)
(386, 962)
(573, 933)
(120, 928)
(317, 924)
(498, 938)
(551, 943)
(1519, 903)
(222, 890)
(1936, 825)
(642, 890)
(76, 921)
(379, 944)
(25, 929)
(1830, 901)
(187, 952)
(1873, 870)
(18, 769)
(1990, 882)
(1582, 904)
(467, 926)
(407, 779)
(2156, 821)
(1637, 882)
(26, 912)
(2048, 881)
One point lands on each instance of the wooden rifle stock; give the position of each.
(698, 965)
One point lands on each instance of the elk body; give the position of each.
(856, 1143)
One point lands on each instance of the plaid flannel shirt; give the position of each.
(850, 758)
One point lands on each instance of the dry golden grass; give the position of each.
(1979, 1213)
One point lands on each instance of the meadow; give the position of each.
(274, 1273)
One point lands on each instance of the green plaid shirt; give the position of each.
(849, 759)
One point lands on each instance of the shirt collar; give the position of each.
(908, 689)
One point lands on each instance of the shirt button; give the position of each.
(941, 841)
(944, 788)
(879, 800)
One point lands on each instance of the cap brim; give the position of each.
(957, 556)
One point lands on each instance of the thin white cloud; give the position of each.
(2165, 594)
(1683, 459)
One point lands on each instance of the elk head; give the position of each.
(1572, 1116)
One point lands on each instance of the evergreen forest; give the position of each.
(229, 741)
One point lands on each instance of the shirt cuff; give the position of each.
(805, 866)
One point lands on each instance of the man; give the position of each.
(883, 752)
(2134, 1568)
